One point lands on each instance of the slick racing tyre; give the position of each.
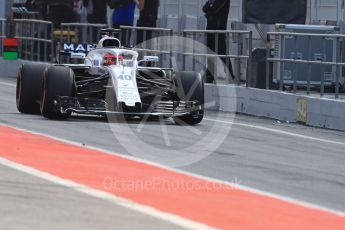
(58, 81)
(29, 81)
(190, 87)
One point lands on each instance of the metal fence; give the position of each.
(36, 43)
(240, 51)
(149, 41)
(79, 32)
(297, 60)
(2, 33)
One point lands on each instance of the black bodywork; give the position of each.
(158, 89)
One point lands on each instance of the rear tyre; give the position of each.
(190, 87)
(58, 81)
(29, 81)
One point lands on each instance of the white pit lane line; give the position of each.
(146, 210)
(277, 131)
(8, 84)
(244, 188)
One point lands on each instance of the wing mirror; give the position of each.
(78, 56)
(149, 59)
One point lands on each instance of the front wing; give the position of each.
(101, 107)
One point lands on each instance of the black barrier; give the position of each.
(275, 11)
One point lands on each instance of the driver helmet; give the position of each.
(110, 59)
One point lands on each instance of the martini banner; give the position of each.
(275, 11)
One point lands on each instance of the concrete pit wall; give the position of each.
(317, 112)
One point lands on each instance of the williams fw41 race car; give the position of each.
(111, 81)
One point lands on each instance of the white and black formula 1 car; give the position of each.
(111, 81)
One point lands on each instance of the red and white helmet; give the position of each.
(110, 59)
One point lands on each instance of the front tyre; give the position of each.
(190, 87)
(58, 81)
(28, 89)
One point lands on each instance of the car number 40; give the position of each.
(125, 77)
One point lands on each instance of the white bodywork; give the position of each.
(123, 74)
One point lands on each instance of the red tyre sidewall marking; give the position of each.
(19, 86)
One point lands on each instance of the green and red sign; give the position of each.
(10, 51)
